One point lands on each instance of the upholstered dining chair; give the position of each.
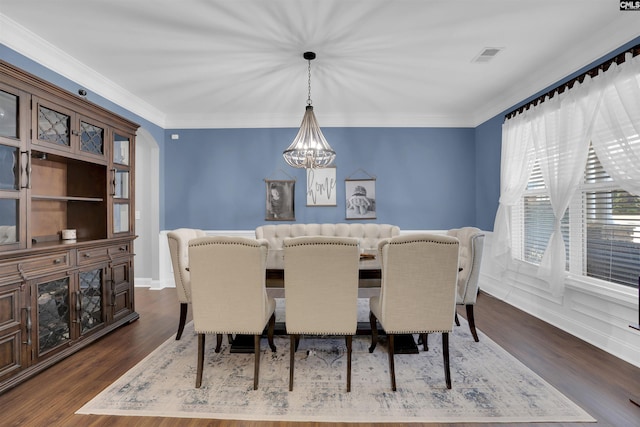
(417, 293)
(179, 250)
(229, 295)
(471, 246)
(321, 291)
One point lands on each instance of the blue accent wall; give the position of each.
(425, 177)
(488, 144)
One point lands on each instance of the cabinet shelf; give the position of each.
(68, 198)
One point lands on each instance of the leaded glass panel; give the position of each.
(53, 126)
(91, 138)
(53, 314)
(91, 299)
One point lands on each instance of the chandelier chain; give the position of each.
(309, 84)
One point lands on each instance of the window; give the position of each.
(601, 228)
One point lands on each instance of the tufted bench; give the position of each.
(368, 234)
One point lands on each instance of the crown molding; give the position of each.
(26, 43)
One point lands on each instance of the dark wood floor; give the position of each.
(597, 381)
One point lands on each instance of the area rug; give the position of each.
(488, 384)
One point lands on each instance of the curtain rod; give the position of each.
(618, 59)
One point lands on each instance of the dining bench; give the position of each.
(368, 234)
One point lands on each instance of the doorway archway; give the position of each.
(147, 195)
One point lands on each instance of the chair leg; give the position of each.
(457, 320)
(218, 343)
(445, 354)
(183, 318)
(200, 360)
(292, 351)
(348, 339)
(256, 363)
(392, 371)
(374, 331)
(425, 342)
(472, 322)
(272, 326)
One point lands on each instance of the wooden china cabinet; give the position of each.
(65, 164)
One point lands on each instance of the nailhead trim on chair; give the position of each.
(423, 240)
(320, 244)
(420, 332)
(182, 278)
(228, 243)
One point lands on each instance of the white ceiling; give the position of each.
(238, 63)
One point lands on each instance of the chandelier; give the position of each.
(309, 149)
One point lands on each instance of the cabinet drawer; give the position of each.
(123, 249)
(28, 267)
(103, 253)
(91, 255)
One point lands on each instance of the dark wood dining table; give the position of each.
(369, 266)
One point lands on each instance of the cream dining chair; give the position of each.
(179, 250)
(229, 295)
(417, 293)
(471, 246)
(321, 291)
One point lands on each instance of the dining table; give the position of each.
(369, 278)
(369, 269)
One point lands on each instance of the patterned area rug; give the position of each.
(489, 385)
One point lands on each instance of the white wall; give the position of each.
(597, 312)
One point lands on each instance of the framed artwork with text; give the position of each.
(321, 187)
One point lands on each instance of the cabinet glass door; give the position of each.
(54, 316)
(8, 115)
(120, 217)
(9, 194)
(54, 126)
(89, 300)
(9, 221)
(121, 185)
(120, 149)
(91, 139)
(13, 171)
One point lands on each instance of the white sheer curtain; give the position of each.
(518, 158)
(616, 133)
(604, 110)
(561, 128)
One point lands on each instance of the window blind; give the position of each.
(601, 228)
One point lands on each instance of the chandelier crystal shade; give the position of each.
(309, 148)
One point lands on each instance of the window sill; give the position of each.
(603, 289)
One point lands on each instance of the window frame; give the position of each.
(576, 241)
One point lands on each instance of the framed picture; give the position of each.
(321, 187)
(360, 198)
(280, 206)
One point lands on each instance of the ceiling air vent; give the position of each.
(487, 54)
